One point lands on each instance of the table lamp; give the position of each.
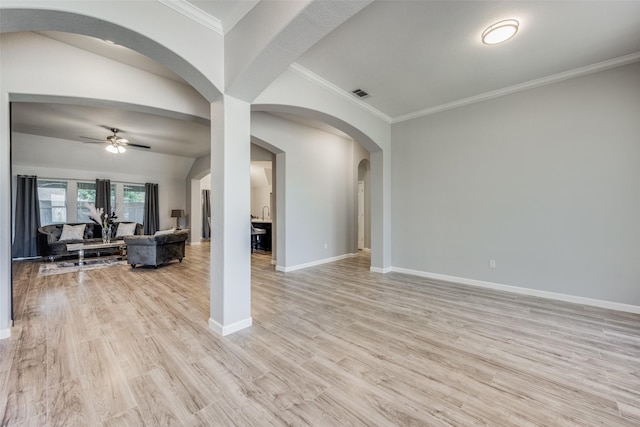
(177, 214)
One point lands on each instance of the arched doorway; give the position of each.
(306, 183)
(22, 87)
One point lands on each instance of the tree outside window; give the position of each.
(53, 201)
(133, 208)
(86, 194)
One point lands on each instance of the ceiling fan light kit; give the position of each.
(115, 143)
(500, 32)
(115, 148)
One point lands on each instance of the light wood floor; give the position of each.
(330, 345)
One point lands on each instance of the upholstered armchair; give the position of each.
(157, 249)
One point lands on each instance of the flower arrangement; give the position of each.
(98, 216)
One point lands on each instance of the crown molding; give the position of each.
(195, 14)
(577, 72)
(311, 76)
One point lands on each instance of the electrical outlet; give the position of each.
(325, 246)
(492, 263)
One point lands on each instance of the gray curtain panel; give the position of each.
(27, 219)
(151, 209)
(206, 214)
(103, 195)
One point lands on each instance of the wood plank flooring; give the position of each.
(331, 345)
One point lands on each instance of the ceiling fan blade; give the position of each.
(114, 140)
(131, 144)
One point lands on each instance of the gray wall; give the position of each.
(259, 154)
(546, 182)
(318, 186)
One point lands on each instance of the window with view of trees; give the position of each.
(133, 206)
(53, 201)
(86, 194)
(127, 201)
(114, 204)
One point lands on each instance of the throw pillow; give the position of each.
(72, 232)
(169, 231)
(126, 229)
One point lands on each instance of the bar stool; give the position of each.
(255, 237)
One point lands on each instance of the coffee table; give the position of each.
(82, 247)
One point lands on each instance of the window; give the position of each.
(53, 201)
(86, 194)
(114, 204)
(127, 201)
(133, 207)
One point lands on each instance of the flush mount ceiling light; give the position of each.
(500, 31)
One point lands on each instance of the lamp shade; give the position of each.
(177, 213)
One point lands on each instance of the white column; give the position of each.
(230, 221)
(280, 185)
(5, 218)
(380, 212)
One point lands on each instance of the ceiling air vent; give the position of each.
(360, 93)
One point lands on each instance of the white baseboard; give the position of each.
(194, 243)
(229, 329)
(5, 333)
(523, 291)
(313, 263)
(365, 250)
(381, 270)
(274, 262)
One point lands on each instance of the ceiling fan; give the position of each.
(115, 143)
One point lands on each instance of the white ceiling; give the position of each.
(413, 57)
(416, 55)
(167, 135)
(114, 52)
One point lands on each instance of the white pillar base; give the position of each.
(229, 329)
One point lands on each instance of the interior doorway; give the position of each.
(364, 206)
(263, 206)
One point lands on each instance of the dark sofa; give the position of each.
(157, 249)
(50, 246)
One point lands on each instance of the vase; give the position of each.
(106, 234)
